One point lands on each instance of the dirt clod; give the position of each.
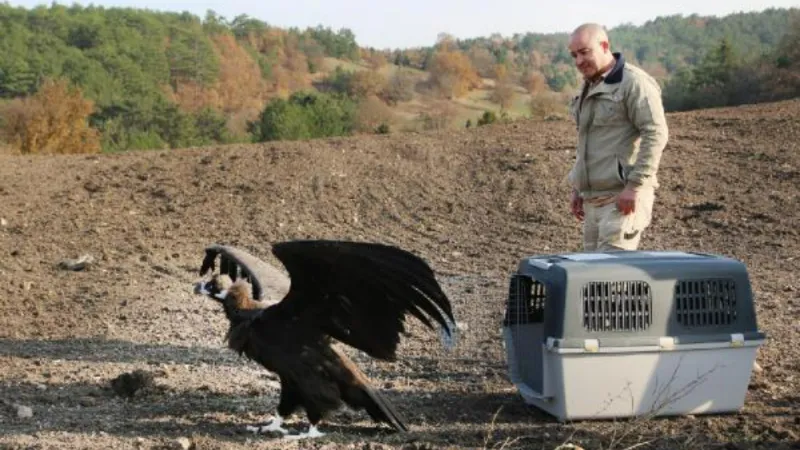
(129, 384)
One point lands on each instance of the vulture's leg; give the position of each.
(290, 398)
(288, 403)
(314, 418)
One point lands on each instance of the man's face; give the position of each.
(590, 54)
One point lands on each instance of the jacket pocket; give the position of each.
(621, 172)
(608, 111)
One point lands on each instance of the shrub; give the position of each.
(487, 118)
(53, 120)
(545, 105)
(305, 115)
(372, 112)
(399, 88)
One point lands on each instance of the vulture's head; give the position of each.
(234, 295)
(217, 287)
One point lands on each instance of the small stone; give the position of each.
(81, 263)
(87, 402)
(24, 412)
(183, 443)
(569, 447)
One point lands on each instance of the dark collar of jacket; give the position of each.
(610, 83)
(615, 76)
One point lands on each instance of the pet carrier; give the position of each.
(631, 333)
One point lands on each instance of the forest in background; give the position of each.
(90, 79)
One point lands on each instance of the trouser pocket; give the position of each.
(610, 229)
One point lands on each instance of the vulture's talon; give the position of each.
(313, 432)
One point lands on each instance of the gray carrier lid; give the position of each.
(634, 298)
(620, 257)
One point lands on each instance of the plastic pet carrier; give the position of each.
(631, 333)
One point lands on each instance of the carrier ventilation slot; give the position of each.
(705, 303)
(617, 306)
(525, 303)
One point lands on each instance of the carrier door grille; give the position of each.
(526, 299)
(705, 303)
(617, 306)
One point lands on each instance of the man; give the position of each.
(622, 131)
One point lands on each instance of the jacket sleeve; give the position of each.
(646, 112)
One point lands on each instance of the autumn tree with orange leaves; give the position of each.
(483, 60)
(503, 91)
(239, 85)
(534, 81)
(452, 73)
(53, 120)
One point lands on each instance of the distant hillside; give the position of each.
(81, 78)
(672, 41)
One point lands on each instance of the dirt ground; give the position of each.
(471, 202)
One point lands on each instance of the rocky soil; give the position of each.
(471, 202)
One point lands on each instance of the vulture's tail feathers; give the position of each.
(359, 393)
(380, 409)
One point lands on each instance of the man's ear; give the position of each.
(605, 45)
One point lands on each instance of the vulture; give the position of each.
(355, 293)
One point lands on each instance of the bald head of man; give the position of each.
(591, 50)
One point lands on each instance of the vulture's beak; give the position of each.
(200, 288)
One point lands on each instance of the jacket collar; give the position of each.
(613, 78)
(615, 75)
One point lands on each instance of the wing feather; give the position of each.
(364, 289)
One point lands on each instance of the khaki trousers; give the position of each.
(605, 228)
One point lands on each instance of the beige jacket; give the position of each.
(622, 131)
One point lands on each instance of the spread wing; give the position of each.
(359, 293)
(269, 283)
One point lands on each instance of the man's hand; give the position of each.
(576, 205)
(626, 201)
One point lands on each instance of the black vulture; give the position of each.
(357, 293)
